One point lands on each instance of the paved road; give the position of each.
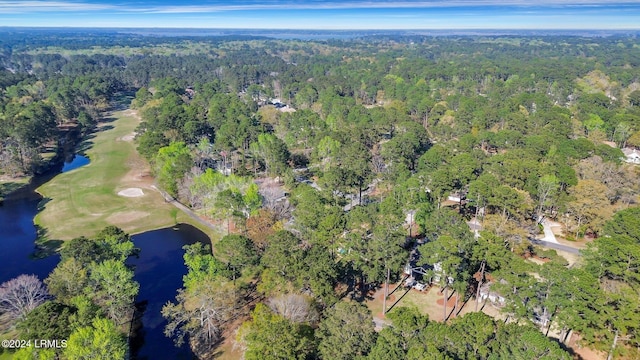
(474, 225)
(556, 246)
(168, 198)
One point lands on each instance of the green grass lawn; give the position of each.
(85, 200)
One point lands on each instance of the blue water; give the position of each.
(17, 236)
(18, 233)
(159, 270)
(76, 162)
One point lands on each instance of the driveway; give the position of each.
(549, 236)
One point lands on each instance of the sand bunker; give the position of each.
(128, 137)
(131, 192)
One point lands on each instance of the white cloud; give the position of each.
(27, 6)
(17, 7)
(305, 5)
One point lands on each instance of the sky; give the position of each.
(327, 15)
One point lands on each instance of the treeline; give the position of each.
(86, 304)
(384, 133)
(300, 317)
(36, 115)
(20, 41)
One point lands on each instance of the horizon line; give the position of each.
(315, 29)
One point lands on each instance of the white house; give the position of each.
(487, 294)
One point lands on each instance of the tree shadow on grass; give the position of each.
(214, 352)
(122, 100)
(106, 120)
(45, 247)
(574, 355)
(7, 188)
(105, 128)
(84, 146)
(41, 205)
(398, 301)
(89, 136)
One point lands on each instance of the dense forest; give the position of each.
(332, 165)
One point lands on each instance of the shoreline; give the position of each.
(84, 200)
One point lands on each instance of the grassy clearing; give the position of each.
(85, 200)
(429, 302)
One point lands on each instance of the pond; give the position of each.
(18, 233)
(159, 269)
(74, 162)
(17, 236)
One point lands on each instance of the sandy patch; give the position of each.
(126, 217)
(133, 113)
(131, 192)
(129, 137)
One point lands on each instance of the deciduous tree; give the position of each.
(113, 288)
(67, 280)
(200, 313)
(101, 340)
(21, 295)
(590, 208)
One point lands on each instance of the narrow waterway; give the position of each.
(18, 233)
(74, 162)
(17, 236)
(159, 270)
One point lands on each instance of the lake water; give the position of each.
(159, 269)
(17, 232)
(17, 236)
(75, 162)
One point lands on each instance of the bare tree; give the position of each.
(184, 189)
(282, 209)
(621, 181)
(271, 192)
(548, 185)
(274, 199)
(377, 164)
(21, 295)
(295, 307)
(8, 162)
(201, 313)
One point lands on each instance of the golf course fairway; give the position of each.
(115, 188)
